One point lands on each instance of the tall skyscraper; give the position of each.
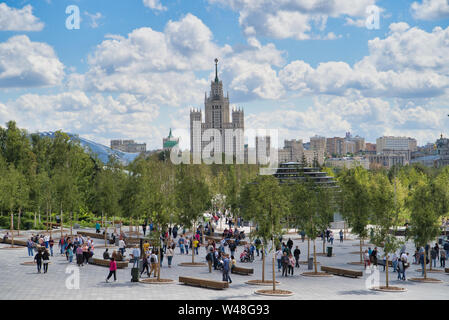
(217, 117)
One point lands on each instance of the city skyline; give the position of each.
(134, 69)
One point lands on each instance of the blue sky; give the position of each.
(304, 67)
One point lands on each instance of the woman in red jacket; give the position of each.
(112, 270)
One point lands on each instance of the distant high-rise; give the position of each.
(217, 116)
(129, 146)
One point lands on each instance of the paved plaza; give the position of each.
(23, 282)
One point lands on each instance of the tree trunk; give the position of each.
(18, 222)
(115, 226)
(34, 226)
(263, 263)
(425, 262)
(102, 219)
(159, 260)
(193, 245)
(274, 273)
(361, 260)
(61, 222)
(308, 249)
(314, 257)
(51, 228)
(386, 270)
(105, 229)
(71, 224)
(344, 230)
(324, 243)
(48, 213)
(12, 230)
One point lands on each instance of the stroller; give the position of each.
(246, 256)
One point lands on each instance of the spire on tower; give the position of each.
(216, 70)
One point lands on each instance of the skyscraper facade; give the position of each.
(227, 134)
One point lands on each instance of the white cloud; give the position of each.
(12, 19)
(96, 117)
(94, 18)
(24, 63)
(163, 65)
(368, 117)
(292, 18)
(390, 70)
(154, 4)
(430, 9)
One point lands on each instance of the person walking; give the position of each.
(210, 258)
(170, 253)
(341, 236)
(136, 256)
(153, 263)
(51, 243)
(30, 245)
(366, 258)
(232, 247)
(400, 268)
(181, 244)
(38, 260)
(226, 267)
(285, 262)
(195, 244)
(279, 255)
(291, 265)
(394, 261)
(121, 246)
(297, 253)
(422, 259)
(45, 260)
(70, 253)
(433, 256)
(145, 265)
(79, 256)
(331, 238)
(405, 264)
(290, 244)
(442, 258)
(112, 270)
(97, 227)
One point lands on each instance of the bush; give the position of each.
(5, 222)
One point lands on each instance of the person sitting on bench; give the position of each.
(106, 255)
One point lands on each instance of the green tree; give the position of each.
(192, 197)
(354, 204)
(264, 202)
(384, 207)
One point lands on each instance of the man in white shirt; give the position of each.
(136, 256)
(121, 246)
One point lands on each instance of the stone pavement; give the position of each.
(23, 282)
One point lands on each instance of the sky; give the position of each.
(133, 69)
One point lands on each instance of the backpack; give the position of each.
(208, 258)
(152, 260)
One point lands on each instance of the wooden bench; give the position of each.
(242, 270)
(342, 272)
(105, 263)
(204, 283)
(93, 235)
(16, 242)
